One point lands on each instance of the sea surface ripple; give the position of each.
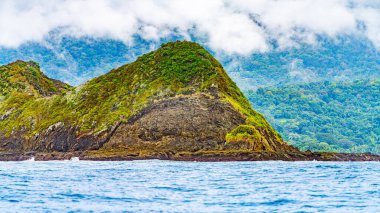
(168, 186)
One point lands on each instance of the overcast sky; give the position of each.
(238, 26)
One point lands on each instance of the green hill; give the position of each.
(175, 99)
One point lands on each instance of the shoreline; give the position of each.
(196, 156)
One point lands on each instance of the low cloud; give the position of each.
(233, 27)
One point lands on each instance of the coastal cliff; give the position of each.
(173, 103)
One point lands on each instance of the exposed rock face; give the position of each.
(185, 123)
(56, 138)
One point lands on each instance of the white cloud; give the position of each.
(370, 17)
(238, 26)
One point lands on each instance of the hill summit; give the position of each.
(173, 103)
(26, 77)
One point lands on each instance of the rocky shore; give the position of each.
(196, 156)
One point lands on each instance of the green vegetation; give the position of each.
(324, 116)
(25, 77)
(243, 133)
(32, 102)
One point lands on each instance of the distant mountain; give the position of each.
(177, 100)
(324, 116)
(76, 60)
(343, 59)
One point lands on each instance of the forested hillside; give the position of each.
(324, 116)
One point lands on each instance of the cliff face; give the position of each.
(173, 100)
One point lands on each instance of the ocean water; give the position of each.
(167, 186)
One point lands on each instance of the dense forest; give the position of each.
(324, 116)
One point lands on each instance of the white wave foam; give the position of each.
(74, 159)
(31, 159)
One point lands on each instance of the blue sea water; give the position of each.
(167, 186)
